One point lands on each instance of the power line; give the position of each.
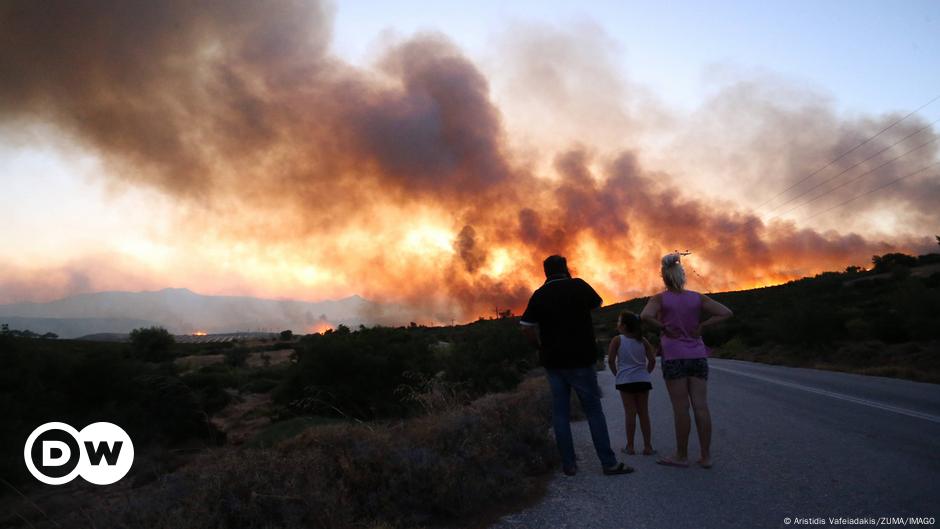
(870, 191)
(817, 197)
(846, 153)
(704, 281)
(830, 179)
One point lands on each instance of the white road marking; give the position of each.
(841, 396)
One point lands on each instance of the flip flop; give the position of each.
(619, 469)
(669, 462)
(652, 453)
(704, 465)
(628, 451)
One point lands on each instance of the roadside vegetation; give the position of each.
(409, 426)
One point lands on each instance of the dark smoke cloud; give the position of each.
(239, 107)
(169, 89)
(469, 251)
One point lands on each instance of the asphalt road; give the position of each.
(787, 443)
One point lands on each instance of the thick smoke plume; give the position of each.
(397, 181)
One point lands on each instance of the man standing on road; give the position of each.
(558, 322)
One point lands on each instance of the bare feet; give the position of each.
(674, 461)
(648, 451)
(629, 451)
(705, 462)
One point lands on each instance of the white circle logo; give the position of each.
(55, 453)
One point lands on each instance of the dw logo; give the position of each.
(101, 453)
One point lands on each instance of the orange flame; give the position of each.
(319, 327)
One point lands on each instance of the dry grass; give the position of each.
(241, 419)
(269, 358)
(194, 362)
(256, 359)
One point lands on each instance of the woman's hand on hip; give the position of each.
(670, 332)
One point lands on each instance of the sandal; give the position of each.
(619, 469)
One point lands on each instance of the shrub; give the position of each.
(152, 344)
(346, 374)
(237, 356)
(489, 356)
(733, 348)
(359, 374)
(807, 324)
(929, 258)
(887, 262)
(83, 382)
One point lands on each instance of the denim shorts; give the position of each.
(685, 367)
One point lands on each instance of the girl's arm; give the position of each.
(650, 356)
(716, 311)
(612, 350)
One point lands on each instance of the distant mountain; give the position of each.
(75, 327)
(182, 311)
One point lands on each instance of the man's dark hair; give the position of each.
(555, 265)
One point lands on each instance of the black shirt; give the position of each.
(562, 310)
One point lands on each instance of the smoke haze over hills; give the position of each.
(182, 311)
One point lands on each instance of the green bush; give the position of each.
(489, 356)
(84, 382)
(888, 261)
(807, 323)
(153, 344)
(353, 374)
(360, 374)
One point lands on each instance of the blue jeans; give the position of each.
(584, 382)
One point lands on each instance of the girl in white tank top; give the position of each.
(631, 359)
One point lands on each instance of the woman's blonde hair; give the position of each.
(672, 271)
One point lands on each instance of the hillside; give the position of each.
(881, 322)
(182, 311)
(76, 327)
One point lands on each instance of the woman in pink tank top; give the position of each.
(678, 314)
